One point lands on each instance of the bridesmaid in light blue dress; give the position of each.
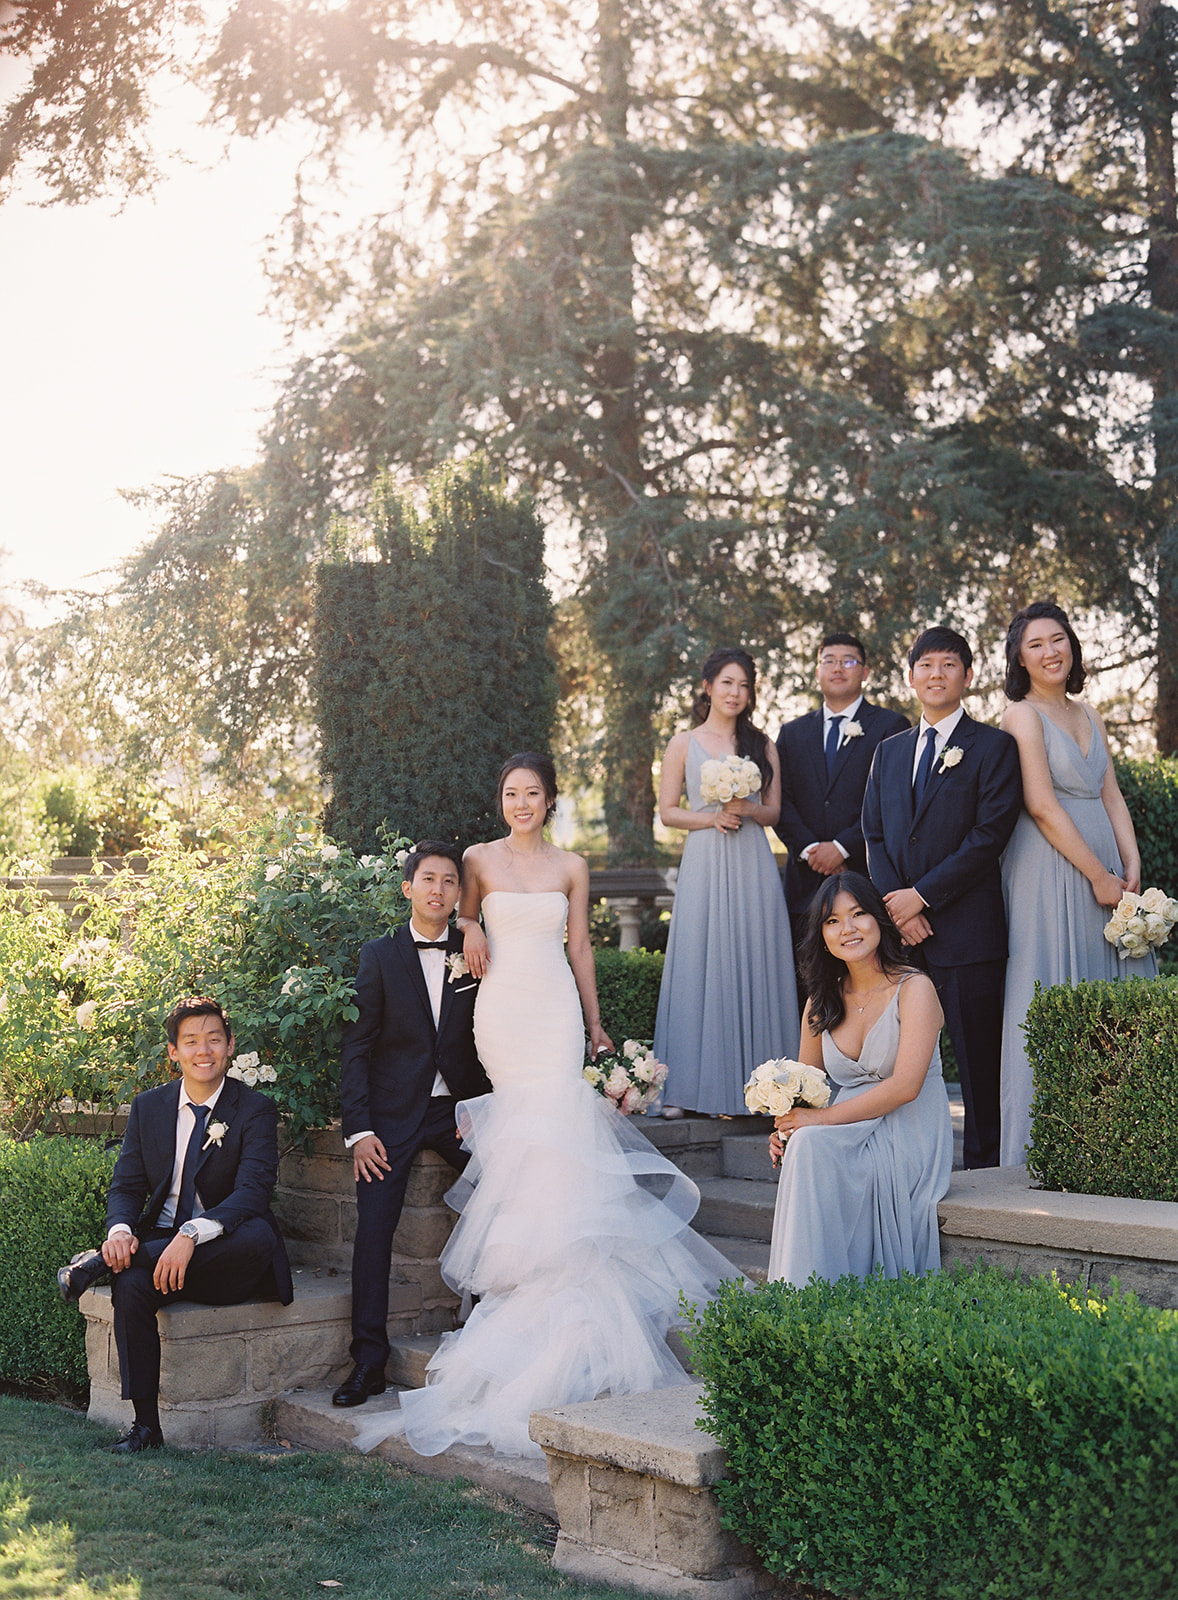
(728, 999)
(1073, 852)
(861, 1178)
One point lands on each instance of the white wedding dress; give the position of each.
(574, 1230)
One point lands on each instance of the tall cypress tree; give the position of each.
(431, 663)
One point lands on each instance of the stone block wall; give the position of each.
(315, 1204)
(221, 1365)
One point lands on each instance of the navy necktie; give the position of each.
(832, 743)
(924, 770)
(186, 1200)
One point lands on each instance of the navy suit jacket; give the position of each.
(814, 807)
(947, 848)
(235, 1179)
(392, 1052)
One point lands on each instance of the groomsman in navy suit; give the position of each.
(407, 1060)
(188, 1212)
(825, 758)
(941, 802)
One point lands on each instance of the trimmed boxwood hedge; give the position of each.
(1150, 788)
(1104, 1113)
(960, 1436)
(628, 991)
(52, 1204)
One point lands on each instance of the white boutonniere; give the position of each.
(950, 756)
(852, 730)
(458, 967)
(216, 1132)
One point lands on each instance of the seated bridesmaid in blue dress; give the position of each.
(1073, 852)
(728, 999)
(861, 1178)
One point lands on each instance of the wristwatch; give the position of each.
(189, 1230)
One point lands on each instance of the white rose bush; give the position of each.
(273, 928)
(1141, 923)
(630, 1078)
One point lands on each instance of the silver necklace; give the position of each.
(884, 985)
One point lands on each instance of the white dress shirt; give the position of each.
(207, 1227)
(433, 970)
(944, 730)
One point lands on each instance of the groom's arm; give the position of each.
(998, 801)
(359, 1038)
(881, 869)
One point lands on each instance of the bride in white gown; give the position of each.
(574, 1230)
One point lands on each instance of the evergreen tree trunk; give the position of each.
(620, 637)
(1162, 280)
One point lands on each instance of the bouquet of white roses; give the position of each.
(728, 778)
(629, 1078)
(777, 1086)
(1141, 922)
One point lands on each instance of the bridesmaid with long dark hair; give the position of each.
(728, 999)
(861, 1177)
(1073, 852)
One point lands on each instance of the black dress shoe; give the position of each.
(83, 1273)
(358, 1385)
(137, 1437)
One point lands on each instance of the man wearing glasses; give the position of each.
(825, 758)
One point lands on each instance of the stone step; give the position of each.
(746, 1155)
(409, 1355)
(750, 1256)
(307, 1418)
(736, 1208)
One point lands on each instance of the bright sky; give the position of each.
(133, 345)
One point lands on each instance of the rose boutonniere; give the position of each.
(950, 756)
(852, 730)
(216, 1131)
(457, 967)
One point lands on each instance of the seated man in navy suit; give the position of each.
(188, 1212)
(407, 1060)
(941, 802)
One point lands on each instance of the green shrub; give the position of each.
(953, 1437)
(628, 991)
(273, 928)
(52, 1204)
(1151, 793)
(1104, 1113)
(431, 664)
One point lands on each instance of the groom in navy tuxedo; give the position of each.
(825, 758)
(407, 1060)
(942, 800)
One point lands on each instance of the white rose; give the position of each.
(4, 1001)
(632, 1049)
(274, 870)
(401, 857)
(329, 886)
(329, 852)
(304, 838)
(86, 1013)
(294, 981)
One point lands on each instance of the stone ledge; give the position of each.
(651, 1433)
(632, 1481)
(1000, 1204)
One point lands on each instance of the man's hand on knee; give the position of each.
(369, 1159)
(173, 1264)
(117, 1251)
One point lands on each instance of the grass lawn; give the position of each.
(77, 1523)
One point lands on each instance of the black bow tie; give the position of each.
(424, 944)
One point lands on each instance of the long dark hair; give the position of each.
(750, 741)
(1018, 679)
(823, 973)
